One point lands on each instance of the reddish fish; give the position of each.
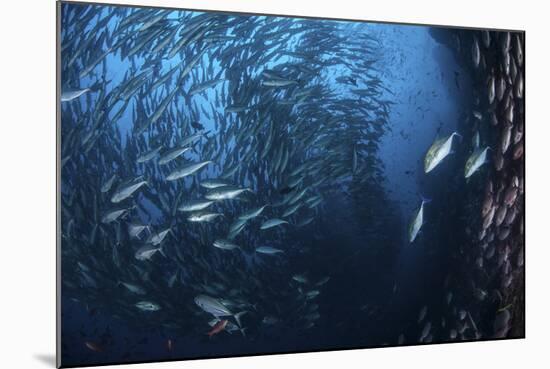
(220, 326)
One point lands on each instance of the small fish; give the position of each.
(126, 190)
(113, 215)
(268, 250)
(147, 306)
(132, 288)
(134, 230)
(225, 244)
(109, 184)
(252, 213)
(300, 278)
(439, 150)
(195, 205)
(157, 238)
(272, 223)
(172, 154)
(225, 193)
(149, 155)
(214, 183)
(186, 170)
(417, 222)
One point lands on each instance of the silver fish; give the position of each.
(195, 205)
(417, 222)
(126, 191)
(69, 95)
(148, 306)
(438, 151)
(187, 170)
(225, 244)
(268, 250)
(272, 223)
(225, 193)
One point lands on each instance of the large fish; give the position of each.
(438, 151)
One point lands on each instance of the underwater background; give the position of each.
(239, 184)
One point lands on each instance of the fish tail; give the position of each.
(425, 200)
(162, 251)
(238, 317)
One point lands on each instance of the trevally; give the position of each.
(272, 223)
(216, 308)
(268, 250)
(146, 252)
(225, 244)
(203, 217)
(475, 161)
(225, 193)
(171, 154)
(417, 222)
(214, 183)
(187, 170)
(126, 190)
(195, 205)
(68, 95)
(148, 306)
(438, 151)
(253, 213)
(157, 238)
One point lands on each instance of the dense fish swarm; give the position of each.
(239, 133)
